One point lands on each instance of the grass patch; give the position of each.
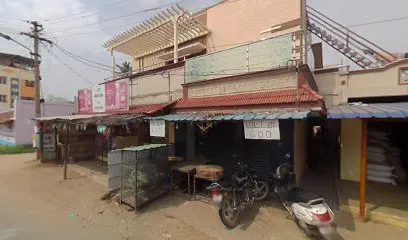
(16, 149)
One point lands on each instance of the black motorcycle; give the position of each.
(235, 196)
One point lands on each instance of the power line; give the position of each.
(79, 60)
(67, 66)
(7, 37)
(378, 22)
(10, 30)
(114, 18)
(68, 52)
(97, 31)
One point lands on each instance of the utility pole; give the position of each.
(35, 34)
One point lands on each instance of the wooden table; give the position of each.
(189, 168)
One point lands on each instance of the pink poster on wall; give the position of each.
(110, 96)
(84, 100)
(123, 95)
(116, 95)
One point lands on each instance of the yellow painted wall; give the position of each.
(5, 90)
(26, 91)
(338, 87)
(300, 153)
(21, 74)
(350, 149)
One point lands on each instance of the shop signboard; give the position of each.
(116, 95)
(98, 98)
(262, 129)
(7, 135)
(85, 100)
(48, 144)
(157, 128)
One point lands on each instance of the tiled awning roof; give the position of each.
(375, 110)
(148, 108)
(6, 116)
(287, 96)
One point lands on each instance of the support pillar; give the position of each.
(190, 142)
(175, 40)
(113, 65)
(363, 170)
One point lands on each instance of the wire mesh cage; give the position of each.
(145, 173)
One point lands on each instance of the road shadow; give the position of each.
(165, 201)
(94, 166)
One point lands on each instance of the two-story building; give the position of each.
(16, 79)
(239, 74)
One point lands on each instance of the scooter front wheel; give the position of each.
(302, 225)
(229, 217)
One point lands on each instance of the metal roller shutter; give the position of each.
(224, 146)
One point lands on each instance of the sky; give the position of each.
(82, 26)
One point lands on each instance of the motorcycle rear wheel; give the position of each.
(229, 217)
(262, 190)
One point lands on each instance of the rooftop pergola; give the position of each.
(167, 29)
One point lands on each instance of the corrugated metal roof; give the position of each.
(141, 148)
(70, 117)
(286, 96)
(194, 117)
(375, 110)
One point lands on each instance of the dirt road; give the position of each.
(36, 204)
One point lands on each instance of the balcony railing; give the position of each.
(262, 55)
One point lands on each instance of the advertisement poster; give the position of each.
(49, 142)
(262, 129)
(85, 100)
(123, 94)
(116, 95)
(98, 98)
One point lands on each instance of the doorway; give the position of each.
(323, 162)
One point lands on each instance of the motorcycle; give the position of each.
(239, 194)
(311, 214)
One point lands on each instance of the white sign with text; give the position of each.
(48, 142)
(262, 129)
(98, 98)
(157, 128)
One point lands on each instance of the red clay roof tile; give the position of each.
(285, 96)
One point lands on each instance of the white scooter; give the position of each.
(312, 215)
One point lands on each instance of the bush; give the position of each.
(16, 149)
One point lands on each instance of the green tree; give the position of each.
(125, 69)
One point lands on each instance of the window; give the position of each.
(27, 98)
(3, 80)
(29, 83)
(3, 98)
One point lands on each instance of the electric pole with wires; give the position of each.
(35, 34)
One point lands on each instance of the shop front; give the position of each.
(255, 129)
(373, 160)
(88, 137)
